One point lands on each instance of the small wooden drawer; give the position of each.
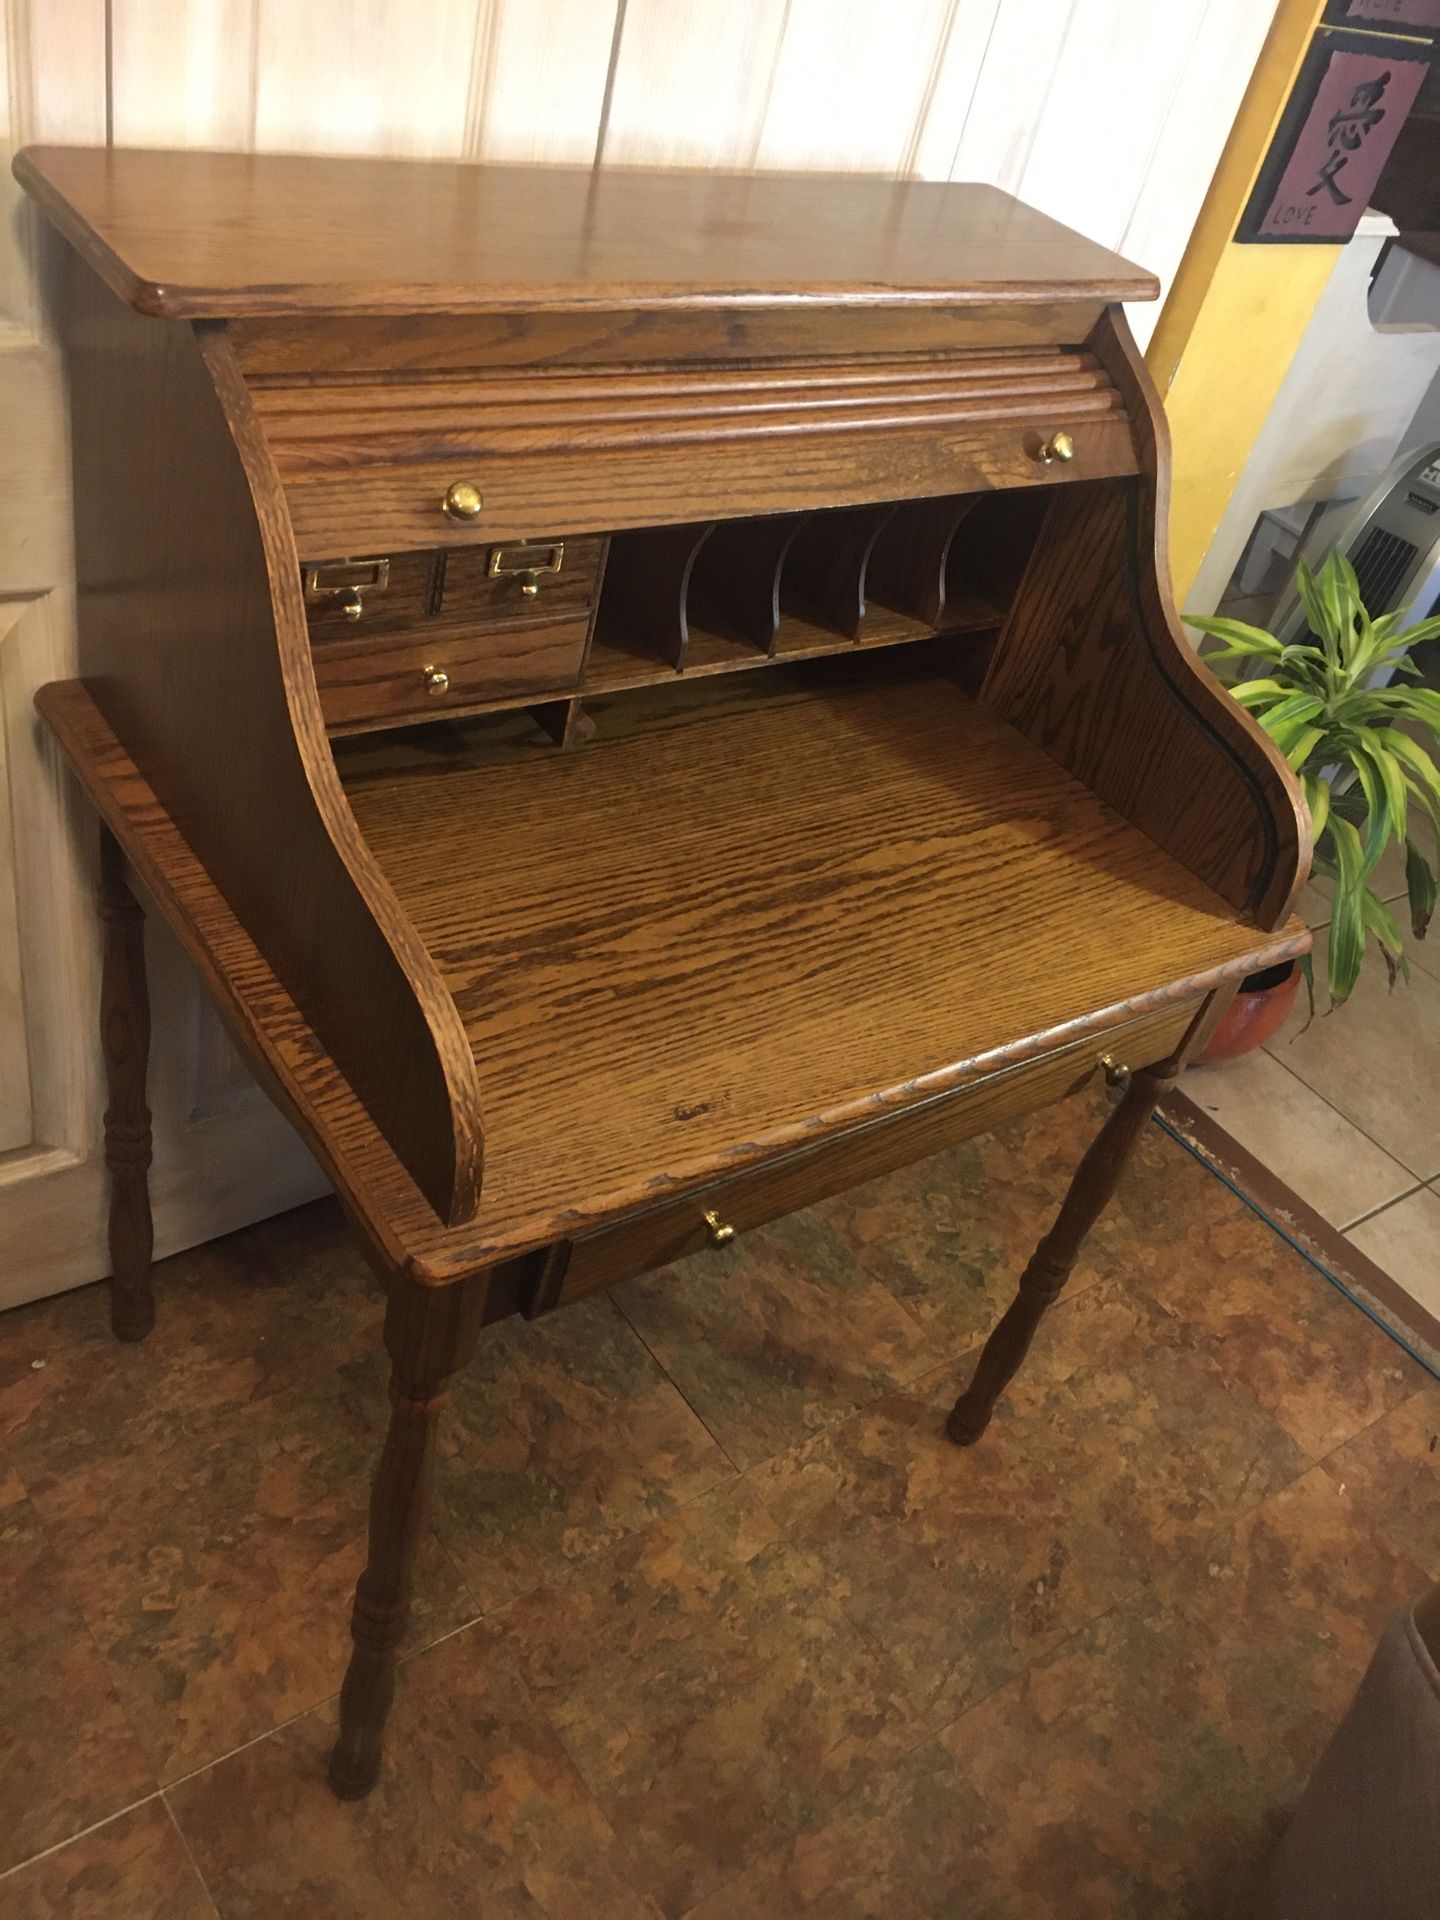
(391, 593)
(369, 684)
(372, 594)
(713, 1215)
(518, 578)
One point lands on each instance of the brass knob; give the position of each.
(351, 603)
(530, 587)
(437, 681)
(1117, 1074)
(1058, 447)
(717, 1231)
(464, 500)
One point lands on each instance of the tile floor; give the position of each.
(1346, 1111)
(711, 1620)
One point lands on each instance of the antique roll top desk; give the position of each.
(648, 698)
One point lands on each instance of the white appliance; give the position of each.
(1392, 539)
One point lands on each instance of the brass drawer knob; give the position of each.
(1058, 447)
(1117, 1074)
(717, 1231)
(464, 500)
(437, 681)
(351, 603)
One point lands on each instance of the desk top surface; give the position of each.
(216, 235)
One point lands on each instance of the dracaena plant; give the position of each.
(1338, 705)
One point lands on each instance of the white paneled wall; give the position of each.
(1109, 114)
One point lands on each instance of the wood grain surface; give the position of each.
(388, 682)
(208, 235)
(288, 349)
(723, 929)
(658, 1235)
(395, 1221)
(366, 465)
(187, 577)
(534, 496)
(395, 1225)
(349, 422)
(1093, 667)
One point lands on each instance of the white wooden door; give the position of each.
(1109, 114)
(223, 1156)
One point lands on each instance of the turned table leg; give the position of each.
(429, 1333)
(1050, 1264)
(125, 1042)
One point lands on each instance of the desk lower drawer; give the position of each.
(795, 1180)
(422, 676)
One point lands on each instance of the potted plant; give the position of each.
(1338, 705)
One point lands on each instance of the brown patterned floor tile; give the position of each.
(213, 1557)
(909, 1845)
(1292, 1599)
(563, 1436)
(68, 1756)
(237, 1320)
(714, 1697)
(478, 1811)
(135, 1867)
(1118, 1782)
(963, 1563)
(1392, 1474)
(950, 1235)
(1277, 1327)
(775, 1337)
(719, 1710)
(1136, 1420)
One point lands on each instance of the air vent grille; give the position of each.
(1381, 561)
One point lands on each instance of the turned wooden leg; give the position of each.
(125, 1042)
(430, 1333)
(1052, 1260)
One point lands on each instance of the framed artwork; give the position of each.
(1402, 16)
(1348, 103)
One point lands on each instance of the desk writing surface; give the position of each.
(727, 930)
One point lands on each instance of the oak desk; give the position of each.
(648, 698)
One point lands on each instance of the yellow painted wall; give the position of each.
(1256, 312)
(1235, 315)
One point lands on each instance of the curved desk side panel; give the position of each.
(180, 554)
(402, 1042)
(1093, 667)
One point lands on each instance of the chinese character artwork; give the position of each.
(1346, 131)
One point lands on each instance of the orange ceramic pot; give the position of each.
(1255, 1015)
